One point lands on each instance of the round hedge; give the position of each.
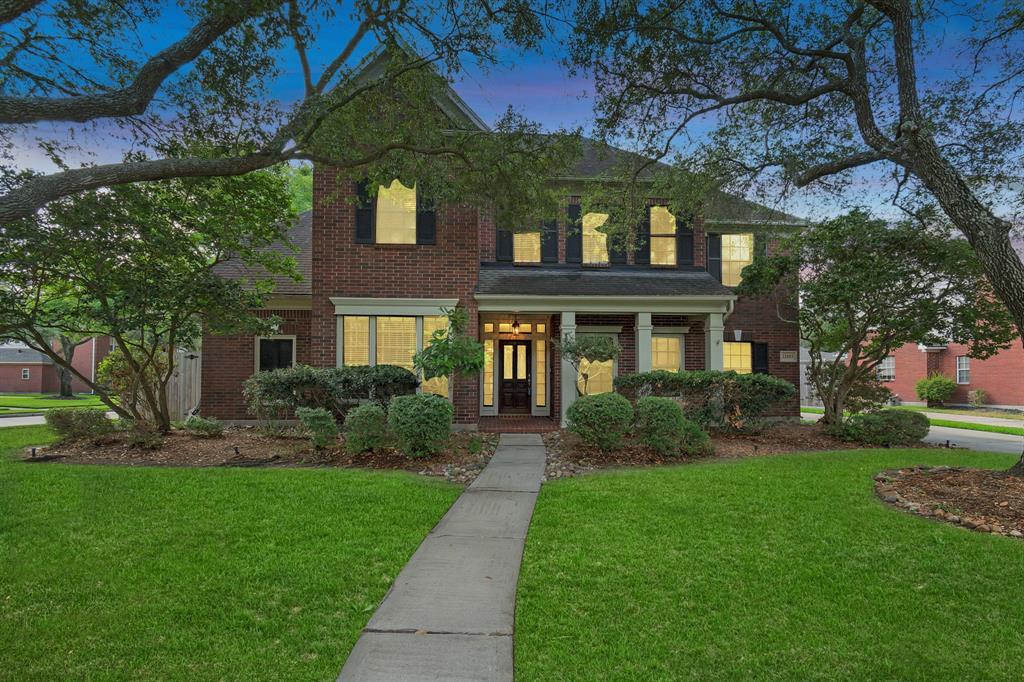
(421, 423)
(366, 428)
(601, 420)
(661, 426)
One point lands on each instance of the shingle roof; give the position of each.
(301, 235)
(577, 281)
(15, 354)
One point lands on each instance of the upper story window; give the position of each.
(396, 214)
(663, 236)
(595, 243)
(737, 253)
(526, 247)
(887, 369)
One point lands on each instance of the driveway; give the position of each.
(981, 441)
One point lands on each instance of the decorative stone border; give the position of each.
(888, 494)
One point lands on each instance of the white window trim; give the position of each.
(25, 374)
(966, 369)
(878, 370)
(682, 347)
(256, 348)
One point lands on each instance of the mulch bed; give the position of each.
(981, 500)
(251, 447)
(568, 456)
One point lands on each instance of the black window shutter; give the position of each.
(284, 353)
(426, 222)
(268, 355)
(759, 358)
(574, 235)
(684, 243)
(504, 245)
(714, 256)
(364, 214)
(549, 242)
(642, 253)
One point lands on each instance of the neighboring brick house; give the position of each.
(1001, 376)
(23, 370)
(376, 276)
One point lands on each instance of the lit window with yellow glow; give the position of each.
(599, 376)
(437, 385)
(667, 353)
(356, 340)
(526, 247)
(595, 243)
(737, 253)
(663, 236)
(540, 384)
(737, 357)
(396, 341)
(396, 214)
(488, 372)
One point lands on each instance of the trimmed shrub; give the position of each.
(72, 423)
(600, 420)
(422, 423)
(935, 390)
(885, 428)
(143, 435)
(204, 427)
(319, 425)
(278, 393)
(366, 428)
(724, 400)
(977, 398)
(661, 426)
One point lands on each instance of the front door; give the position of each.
(515, 377)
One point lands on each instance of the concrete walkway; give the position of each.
(450, 613)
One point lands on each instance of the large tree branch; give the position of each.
(134, 98)
(838, 166)
(12, 9)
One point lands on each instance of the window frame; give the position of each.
(724, 260)
(682, 348)
(652, 237)
(614, 361)
(540, 247)
(750, 355)
(966, 368)
(883, 367)
(26, 374)
(377, 213)
(418, 317)
(583, 241)
(271, 337)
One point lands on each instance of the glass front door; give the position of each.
(515, 377)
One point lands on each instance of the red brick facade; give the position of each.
(43, 376)
(447, 269)
(1001, 376)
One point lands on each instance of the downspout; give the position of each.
(92, 364)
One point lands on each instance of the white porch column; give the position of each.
(713, 348)
(643, 342)
(568, 332)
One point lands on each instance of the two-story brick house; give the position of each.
(377, 274)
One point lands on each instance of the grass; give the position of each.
(781, 568)
(38, 401)
(950, 423)
(196, 574)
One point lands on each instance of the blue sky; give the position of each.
(535, 84)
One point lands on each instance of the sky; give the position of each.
(535, 84)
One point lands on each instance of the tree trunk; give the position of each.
(65, 383)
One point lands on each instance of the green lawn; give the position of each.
(782, 568)
(950, 423)
(196, 574)
(39, 401)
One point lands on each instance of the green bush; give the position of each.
(724, 400)
(935, 390)
(204, 427)
(278, 393)
(319, 425)
(422, 423)
(885, 428)
(365, 428)
(143, 435)
(601, 420)
(72, 423)
(661, 426)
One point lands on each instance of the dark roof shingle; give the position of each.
(577, 281)
(301, 235)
